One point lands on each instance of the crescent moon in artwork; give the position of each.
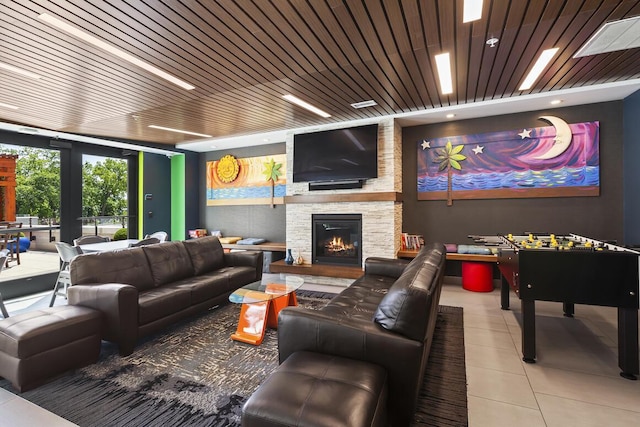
(562, 139)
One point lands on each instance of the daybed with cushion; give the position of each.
(386, 318)
(142, 290)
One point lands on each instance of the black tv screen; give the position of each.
(336, 155)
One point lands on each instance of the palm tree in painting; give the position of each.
(272, 173)
(449, 158)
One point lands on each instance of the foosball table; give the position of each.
(570, 269)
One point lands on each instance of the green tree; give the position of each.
(449, 158)
(104, 187)
(37, 182)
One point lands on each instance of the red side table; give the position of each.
(477, 276)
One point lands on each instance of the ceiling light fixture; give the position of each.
(613, 36)
(444, 73)
(472, 10)
(450, 116)
(113, 50)
(556, 101)
(19, 70)
(12, 107)
(306, 105)
(538, 68)
(364, 104)
(180, 131)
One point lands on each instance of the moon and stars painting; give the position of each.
(561, 160)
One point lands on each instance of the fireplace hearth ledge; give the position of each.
(326, 270)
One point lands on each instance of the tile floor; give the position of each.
(575, 381)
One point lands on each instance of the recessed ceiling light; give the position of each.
(364, 104)
(472, 10)
(19, 70)
(450, 116)
(62, 25)
(12, 107)
(180, 131)
(306, 105)
(556, 101)
(538, 68)
(29, 131)
(444, 73)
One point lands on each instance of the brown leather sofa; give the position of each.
(142, 290)
(386, 317)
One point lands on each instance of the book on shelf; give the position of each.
(411, 242)
(198, 232)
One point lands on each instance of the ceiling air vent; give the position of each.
(364, 104)
(612, 36)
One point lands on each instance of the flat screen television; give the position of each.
(349, 154)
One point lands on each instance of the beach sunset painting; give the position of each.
(232, 181)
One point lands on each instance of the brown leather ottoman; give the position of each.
(313, 389)
(36, 346)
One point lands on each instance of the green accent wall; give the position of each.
(178, 205)
(140, 195)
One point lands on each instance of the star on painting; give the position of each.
(478, 149)
(425, 144)
(525, 134)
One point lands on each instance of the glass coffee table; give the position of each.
(261, 304)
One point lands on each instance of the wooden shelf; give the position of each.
(267, 246)
(452, 256)
(346, 272)
(389, 196)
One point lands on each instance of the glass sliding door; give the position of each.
(104, 197)
(29, 211)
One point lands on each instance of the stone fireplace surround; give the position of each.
(381, 217)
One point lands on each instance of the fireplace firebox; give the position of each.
(337, 239)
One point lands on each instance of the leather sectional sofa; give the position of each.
(386, 317)
(142, 290)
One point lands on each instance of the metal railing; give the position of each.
(112, 219)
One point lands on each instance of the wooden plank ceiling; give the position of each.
(244, 55)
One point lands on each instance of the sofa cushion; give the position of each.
(313, 389)
(238, 275)
(206, 254)
(406, 306)
(126, 266)
(169, 262)
(361, 299)
(161, 302)
(204, 287)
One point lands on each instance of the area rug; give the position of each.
(193, 374)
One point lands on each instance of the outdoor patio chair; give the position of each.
(3, 259)
(10, 242)
(67, 253)
(162, 236)
(85, 240)
(144, 242)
